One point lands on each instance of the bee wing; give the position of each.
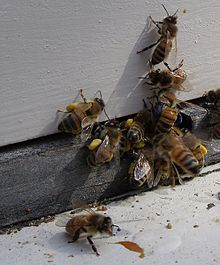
(87, 126)
(142, 169)
(101, 150)
(171, 49)
(186, 86)
(62, 220)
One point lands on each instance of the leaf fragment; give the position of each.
(132, 246)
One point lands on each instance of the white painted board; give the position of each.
(49, 49)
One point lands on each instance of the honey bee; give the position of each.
(167, 118)
(135, 128)
(106, 148)
(141, 171)
(212, 98)
(89, 224)
(168, 31)
(81, 116)
(172, 147)
(168, 79)
(166, 113)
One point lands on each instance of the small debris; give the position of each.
(195, 226)
(218, 195)
(210, 205)
(169, 226)
(184, 11)
(157, 214)
(101, 208)
(132, 247)
(28, 210)
(196, 194)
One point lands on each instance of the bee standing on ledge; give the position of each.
(105, 149)
(168, 31)
(81, 115)
(90, 224)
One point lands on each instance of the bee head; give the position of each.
(100, 102)
(105, 225)
(154, 76)
(170, 19)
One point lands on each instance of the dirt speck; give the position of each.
(169, 226)
(210, 205)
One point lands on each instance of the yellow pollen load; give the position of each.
(203, 149)
(71, 106)
(94, 144)
(129, 122)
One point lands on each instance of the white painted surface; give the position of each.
(142, 219)
(49, 49)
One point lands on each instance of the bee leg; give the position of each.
(168, 67)
(150, 46)
(82, 96)
(156, 23)
(92, 244)
(75, 236)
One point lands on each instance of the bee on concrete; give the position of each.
(105, 149)
(141, 171)
(81, 116)
(168, 31)
(168, 79)
(89, 224)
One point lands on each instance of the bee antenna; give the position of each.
(106, 114)
(175, 13)
(82, 96)
(166, 10)
(99, 91)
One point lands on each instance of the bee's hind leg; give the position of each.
(92, 244)
(150, 46)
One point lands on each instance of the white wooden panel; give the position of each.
(51, 48)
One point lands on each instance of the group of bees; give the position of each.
(163, 149)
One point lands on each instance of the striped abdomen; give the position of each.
(185, 159)
(161, 51)
(166, 120)
(136, 132)
(72, 122)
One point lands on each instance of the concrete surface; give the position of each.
(192, 239)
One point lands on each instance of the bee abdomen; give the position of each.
(135, 134)
(72, 123)
(159, 52)
(166, 121)
(186, 160)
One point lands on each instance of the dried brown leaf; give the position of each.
(132, 247)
